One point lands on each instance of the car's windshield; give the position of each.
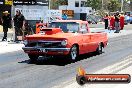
(66, 26)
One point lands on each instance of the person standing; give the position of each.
(106, 20)
(117, 22)
(64, 16)
(122, 18)
(112, 22)
(19, 21)
(6, 21)
(0, 21)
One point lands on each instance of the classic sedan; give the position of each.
(68, 38)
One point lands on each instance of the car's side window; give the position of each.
(83, 29)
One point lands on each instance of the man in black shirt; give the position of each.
(6, 21)
(117, 22)
(19, 21)
(106, 20)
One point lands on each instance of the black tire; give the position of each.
(74, 52)
(99, 50)
(33, 58)
(81, 80)
(125, 23)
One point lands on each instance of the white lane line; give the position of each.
(122, 33)
(5, 47)
(117, 66)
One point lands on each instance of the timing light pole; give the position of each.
(102, 4)
(122, 3)
(12, 15)
(49, 4)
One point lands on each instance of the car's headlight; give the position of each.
(25, 42)
(64, 42)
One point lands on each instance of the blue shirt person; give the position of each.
(64, 16)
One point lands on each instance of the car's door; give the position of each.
(85, 39)
(89, 39)
(94, 38)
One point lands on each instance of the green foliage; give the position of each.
(101, 13)
(95, 4)
(113, 5)
(55, 3)
(63, 2)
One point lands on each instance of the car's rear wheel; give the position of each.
(33, 58)
(74, 52)
(99, 50)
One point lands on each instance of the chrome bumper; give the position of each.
(44, 49)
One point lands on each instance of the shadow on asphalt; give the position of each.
(59, 61)
(26, 61)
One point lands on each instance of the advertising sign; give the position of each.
(1, 2)
(53, 15)
(33, 12)
(69, 13)
(31, 2)
(8, 2)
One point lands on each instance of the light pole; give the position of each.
(49, 4)
(12, 15)
(122, 3)
(102, 4)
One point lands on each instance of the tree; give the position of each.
(95, 4)
(105, 4)
(113, 5)
(130, 4)
(127, 5)
(55, 3)
(63, 2)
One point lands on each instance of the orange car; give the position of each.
(64, 38)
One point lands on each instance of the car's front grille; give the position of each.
(32, 44)
(45, 44)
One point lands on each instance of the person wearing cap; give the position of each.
(19, 21)
(6, 21)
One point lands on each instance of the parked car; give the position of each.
(67, 38)
(131, 19)
(128, 17)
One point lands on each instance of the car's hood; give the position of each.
(53, 36)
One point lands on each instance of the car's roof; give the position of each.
(78, 21)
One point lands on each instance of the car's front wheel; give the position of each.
(131, 22)
(74, 52)
(99, 50)
(33, 58)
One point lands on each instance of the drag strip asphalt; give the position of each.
(16, 72)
